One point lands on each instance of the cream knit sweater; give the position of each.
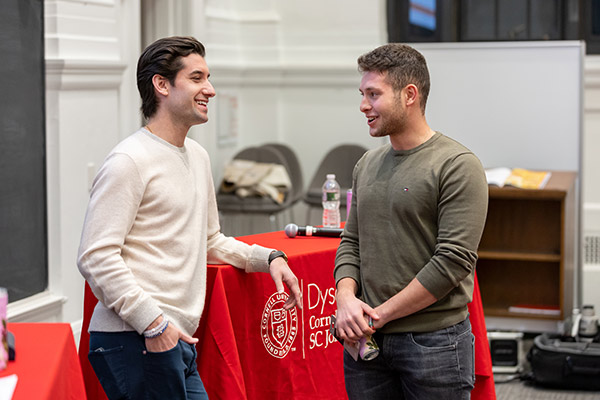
(150, 229)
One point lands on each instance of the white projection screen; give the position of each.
(514, 104)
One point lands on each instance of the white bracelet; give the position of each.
(157, 330)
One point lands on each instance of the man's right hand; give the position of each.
(352, 314)
(168, 339)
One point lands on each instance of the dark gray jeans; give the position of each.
(127, 371)
(434, 365)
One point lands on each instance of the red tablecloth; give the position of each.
(250, 349)
(46, 362)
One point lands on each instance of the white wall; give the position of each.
(591, 179)
(91, 50)
(292, 70)
(290, 67)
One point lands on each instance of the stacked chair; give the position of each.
(339, 161)
(232, 207)
(246, 215)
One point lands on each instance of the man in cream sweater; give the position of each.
(150, 229)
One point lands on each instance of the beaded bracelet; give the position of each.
(157, 330)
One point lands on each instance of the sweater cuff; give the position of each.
(347, 271)
(433, 283)
(259, 259)
(143, 315)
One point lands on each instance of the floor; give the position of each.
(521, 390)
(514, 387)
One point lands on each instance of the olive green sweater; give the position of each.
(416, 213)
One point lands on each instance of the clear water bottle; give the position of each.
(331, 202)
(570, 329)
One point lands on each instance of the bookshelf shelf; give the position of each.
(504, 312)
(526, 251)
(523, 256)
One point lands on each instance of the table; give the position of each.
(250, 349)
(45, 362)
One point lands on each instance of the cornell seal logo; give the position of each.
(278, 327)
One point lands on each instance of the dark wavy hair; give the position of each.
(163, 57)
(403, 65)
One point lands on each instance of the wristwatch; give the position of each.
(275, 254)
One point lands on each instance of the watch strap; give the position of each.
(275, 254)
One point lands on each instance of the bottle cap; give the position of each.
(330, 176)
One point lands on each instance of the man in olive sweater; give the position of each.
(407, 257)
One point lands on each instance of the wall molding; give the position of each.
(45, 306)
(83, 74)
(105, 3)
(268, 16)
(333, 74)
(285, 75)
(591, 73)
(591, 84)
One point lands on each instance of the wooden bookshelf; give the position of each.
(526, 254)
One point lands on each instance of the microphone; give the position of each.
(293, 230)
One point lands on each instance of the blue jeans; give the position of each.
(434, 365)
(127, 371)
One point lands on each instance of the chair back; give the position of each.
(339, 161)
(229, 201)
(294, 169)
(259, 155)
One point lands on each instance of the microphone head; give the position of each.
(291, 230)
